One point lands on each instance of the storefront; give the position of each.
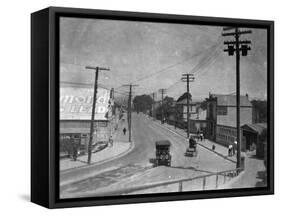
(255, 138)
(75, 117)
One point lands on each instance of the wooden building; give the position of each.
(221, 117)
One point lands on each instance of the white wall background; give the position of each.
(15, 106)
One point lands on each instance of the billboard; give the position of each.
(76, 103)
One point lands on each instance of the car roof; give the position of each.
(163, 143)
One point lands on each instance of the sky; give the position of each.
(155, 55)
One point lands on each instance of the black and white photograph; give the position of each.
(155, 107)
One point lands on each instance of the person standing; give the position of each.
(201, 136)
(198, 135)
(124, 131)
(110, 141)
(75, 151)
(230, 151)
(235, 146)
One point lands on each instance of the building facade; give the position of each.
(75, 117)
(221, 117)
(197, 116)
(255, 138)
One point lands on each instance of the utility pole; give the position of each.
(153, 108)
(93, 109)
(129, 112)
(187, 78)
(234, 47)
(162, 92)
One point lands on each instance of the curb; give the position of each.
(132, 146)
(219, 154)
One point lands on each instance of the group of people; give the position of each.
(231, 150)
(200, 136)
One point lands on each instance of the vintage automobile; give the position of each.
(191, 151)
(163, 156)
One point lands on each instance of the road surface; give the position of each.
(145, 132)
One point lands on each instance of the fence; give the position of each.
(204, 182)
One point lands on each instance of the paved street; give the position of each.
(130, 167)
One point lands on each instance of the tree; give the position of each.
(142, 103)
(167, 107)
(203, 105)
(182, 97)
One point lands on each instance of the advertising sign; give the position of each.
(76, 103)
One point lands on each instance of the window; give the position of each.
(221, 110)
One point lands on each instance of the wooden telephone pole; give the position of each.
(234, 47)
(129, 112)
(187, 78)
(153, 102)
(162, 92)
(93, 109)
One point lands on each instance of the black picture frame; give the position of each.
(45, 108)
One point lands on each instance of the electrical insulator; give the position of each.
(231, 50)
(244, 49)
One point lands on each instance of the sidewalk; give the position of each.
(120, 147)
(254, 175)
(207, 144)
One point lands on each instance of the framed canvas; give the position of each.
(139, 107)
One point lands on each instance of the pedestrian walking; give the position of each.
(110, 141)
(75, 152)
(198, 135)
(201, 136)
(234, 146)
(213, 147)
(124, 131)
(230, 151)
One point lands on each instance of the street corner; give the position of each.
(76, 171)
(118, 149)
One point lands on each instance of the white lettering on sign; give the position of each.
(76, 103)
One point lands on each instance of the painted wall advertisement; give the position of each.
(76, 104)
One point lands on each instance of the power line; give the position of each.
(179, 63)
(172, 85)
(84, 68)
(205, 61)
(206, 69)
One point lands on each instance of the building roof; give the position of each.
(184, 102)
(230, 100)
(256, 128)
